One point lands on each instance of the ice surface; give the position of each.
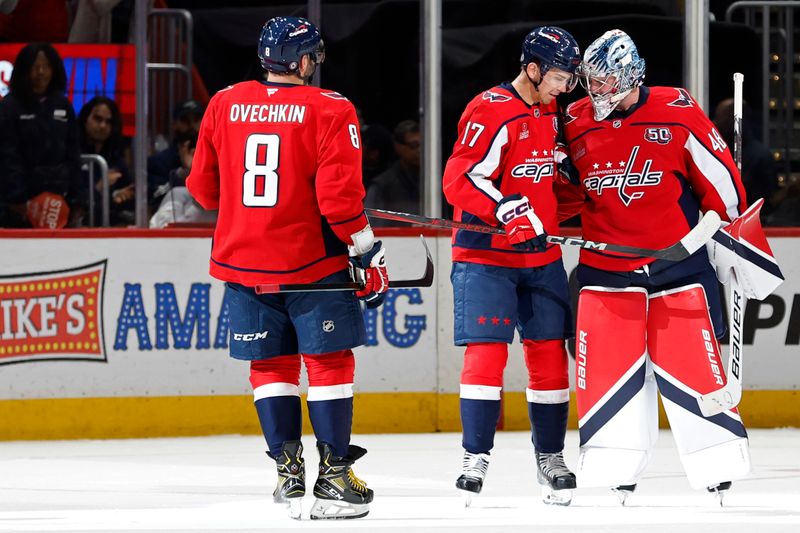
(225, 484)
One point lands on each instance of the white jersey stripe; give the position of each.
(717, 174)
(484, 168)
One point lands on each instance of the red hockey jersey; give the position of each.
(282, 163)
(648, 172)
(504, 146)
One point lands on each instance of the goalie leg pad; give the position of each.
(481, 384)
(547, 393)
(330, 398)
(276, 394)
(617, 409)
(687, 363)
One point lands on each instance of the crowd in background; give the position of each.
(45, 183)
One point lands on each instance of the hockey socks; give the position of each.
(481, 383)
(547, 393)
(330, 398)
(276, 393)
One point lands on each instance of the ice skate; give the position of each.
(556, 479)
(623, 492)
(340, 494)
(720, 490)
(473, 472)
(291, 477)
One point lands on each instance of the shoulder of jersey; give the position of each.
(676, 98)
(578, 110)
(494, 103)
(325, 94)
(231, 91)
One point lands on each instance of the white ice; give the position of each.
(225, 484)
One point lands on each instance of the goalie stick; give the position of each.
(425, 281)
(729, 396)
(689, 244)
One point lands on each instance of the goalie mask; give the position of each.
(285, 40)
(611, 69)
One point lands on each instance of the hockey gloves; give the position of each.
(370, 270)
(565, 170)
(524, 229)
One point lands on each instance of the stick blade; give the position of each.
(427, 278)
(719, 401)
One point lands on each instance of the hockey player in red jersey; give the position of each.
(281, 161)
(501, 173)
(649, 162)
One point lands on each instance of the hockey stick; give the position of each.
(730, 395)
(689, 244)
(425, 281)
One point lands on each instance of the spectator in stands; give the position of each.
(759, 175)
(162, 167)
(177, 205)
(92, 22)
(377, 153)
(398, 188)
(39, 148)
(101, 133)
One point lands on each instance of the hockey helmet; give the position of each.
(551, 46)
(613, 64)
(285, 40)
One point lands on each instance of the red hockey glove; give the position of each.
(523, 228)
(370, 269)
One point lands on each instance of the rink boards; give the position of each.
(123, 334)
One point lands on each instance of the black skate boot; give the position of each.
(623, 492)
(556, 479)
(473, 472)
(291, 477)
(339, 493)
(719, 490)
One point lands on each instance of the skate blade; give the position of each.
(338, 510)
(556, 497)
(467, 497)
(295, 508)
(622, 495)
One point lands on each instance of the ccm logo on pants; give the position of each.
(250, 336)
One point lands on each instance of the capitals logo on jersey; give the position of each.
(495, 97)
(607, 178)
(684, 99)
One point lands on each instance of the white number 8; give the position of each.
(353, 135)
(267, 169)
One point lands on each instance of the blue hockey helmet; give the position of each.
(611, 69)
(551, 46)
(285, 40)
